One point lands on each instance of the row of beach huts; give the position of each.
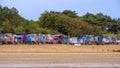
(23, 38)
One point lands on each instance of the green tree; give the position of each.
(64, 24)
(70, 13)
(7, 27)
(48, 19)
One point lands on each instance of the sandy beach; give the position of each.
(58, 48)
(59, 56)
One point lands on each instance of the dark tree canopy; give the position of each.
(70, 13)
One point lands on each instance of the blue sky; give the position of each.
(31, 9)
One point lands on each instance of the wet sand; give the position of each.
(59, 60)
(60, 56)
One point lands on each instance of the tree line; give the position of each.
(67, 22)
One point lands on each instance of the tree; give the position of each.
(11, 18)
(7, 27)
(48, 19)
(64, 24)
(70, 13)
(100, 20)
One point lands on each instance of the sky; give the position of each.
(32, 9)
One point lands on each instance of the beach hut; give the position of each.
(106, 40)
(75, 41)
(18, 38)
(29, 39)
(57, 38)
(33, 38)
(86, 39)
(114, 40)
(42, 38)
(2, 38)
(9, 38)
(64, 40)
(99, 40)
(117, 40)
(96, 39)
(92, 41)
(81, 41)
(50, 39)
